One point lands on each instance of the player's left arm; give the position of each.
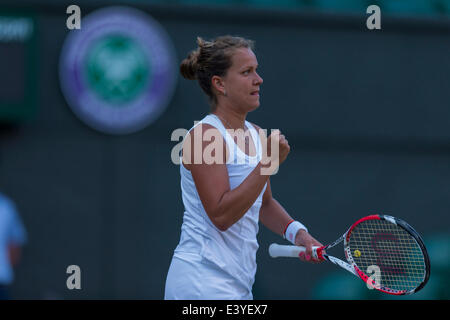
(275, 218)
(272, 214)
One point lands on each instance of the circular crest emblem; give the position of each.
(117, 72)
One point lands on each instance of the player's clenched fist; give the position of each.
(275, 152)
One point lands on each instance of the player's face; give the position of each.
(242, 82)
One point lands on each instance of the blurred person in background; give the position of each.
(12, 238)
(225, 200)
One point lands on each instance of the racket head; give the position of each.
(387, 254)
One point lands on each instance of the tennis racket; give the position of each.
(385, 252)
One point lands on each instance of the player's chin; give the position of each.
(253, 105)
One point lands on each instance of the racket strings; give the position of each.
(390, 248)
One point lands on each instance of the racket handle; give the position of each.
(277, 250)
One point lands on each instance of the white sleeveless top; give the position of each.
(231, 252)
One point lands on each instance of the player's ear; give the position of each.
(218, 85)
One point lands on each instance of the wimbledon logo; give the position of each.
(117, 73)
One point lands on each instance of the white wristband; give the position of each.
(292, 229)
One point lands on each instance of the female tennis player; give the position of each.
(225, 199)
